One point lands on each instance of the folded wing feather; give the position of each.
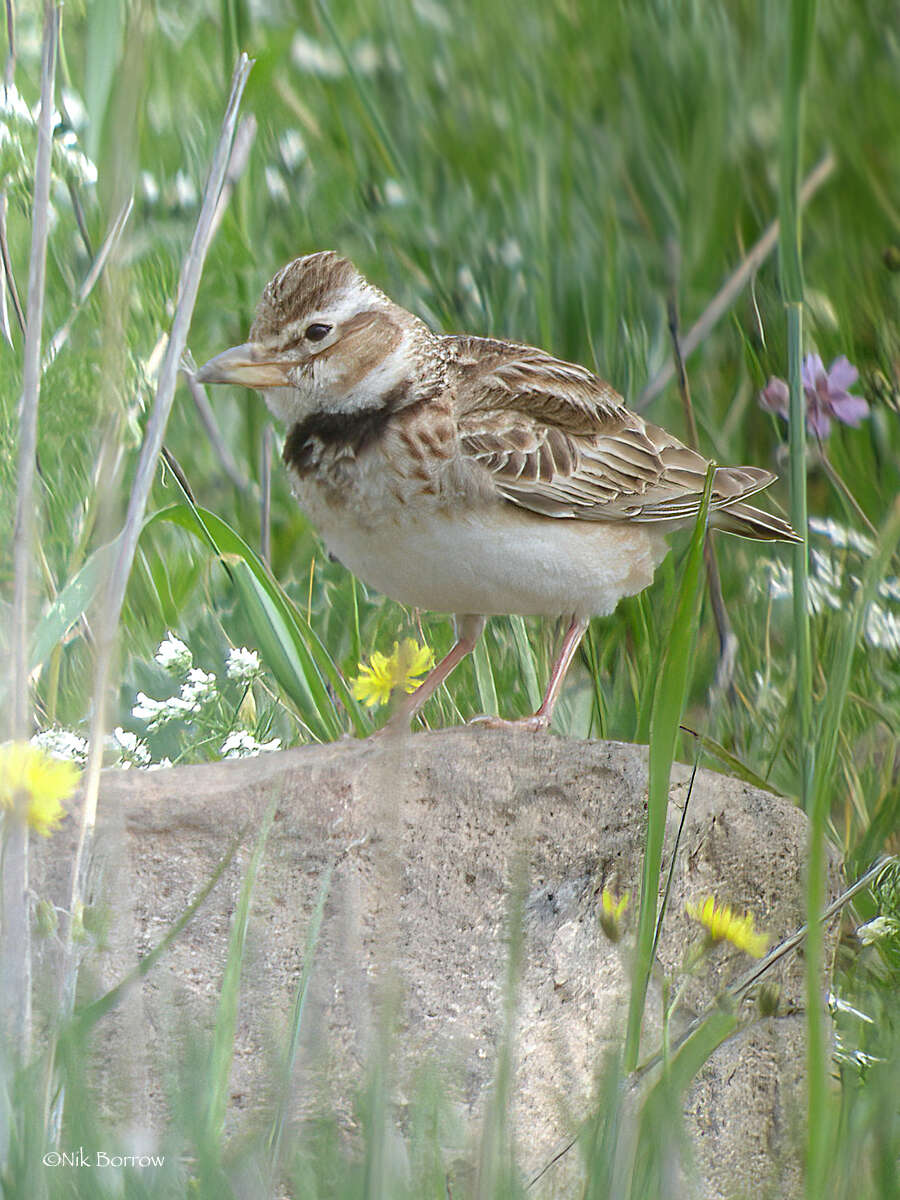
(559, 441)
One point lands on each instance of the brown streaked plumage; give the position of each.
(466, 474)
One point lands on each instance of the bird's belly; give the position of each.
(498, 560)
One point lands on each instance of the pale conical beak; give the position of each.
(249, 365)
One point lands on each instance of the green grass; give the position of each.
(512, 169)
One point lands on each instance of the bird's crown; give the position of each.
(307, 285)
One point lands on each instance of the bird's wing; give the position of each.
(559, 441)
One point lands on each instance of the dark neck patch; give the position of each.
(340, 432)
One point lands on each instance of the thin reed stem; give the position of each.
(140, 492)
(800, 23)
(15, 945)
(733, 286)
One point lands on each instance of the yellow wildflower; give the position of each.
(33, 785)
(611, 910)
(723, 925)
(385, 672)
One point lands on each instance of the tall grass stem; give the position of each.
(668, 702)
(799, 19)
(15, 937)
(127, 542)
(734, 285)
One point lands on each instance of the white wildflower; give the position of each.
(850, 1057)
(841, 536)
(184, 190)
(132, 751)
(148, 368)
(779, 583)
(511, 254)
(55, 118)
(149, 187)
(147, 709)
(159, 712)
(173, 655)
(827, 570)
(877, 929)
(433, 14)
(314, 58)
(199, 688)
(75, 109)
(12, 104)
(820, 596)
(161, 765)
(889, 589)
(292, 148)
(241, 744)
(837, 1005)
(75, 160)
(768, 698)
(882, 629)
(366, 58)
(500, 114)
(62, 743)
(465, 281)
(242, 664)
(276, 186)
(394, 193)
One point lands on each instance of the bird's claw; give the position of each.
(536, 723)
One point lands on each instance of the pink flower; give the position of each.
(827, 395)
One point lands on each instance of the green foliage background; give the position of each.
(530, 170)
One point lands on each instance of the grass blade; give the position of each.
(527, 665)
(799, 17)
(484, 679)
(298, 658)
(89, 1014)
(668, 702)
(226, 1018)
(839, 675)
(117, 581)
(15, 932)
(312, 938)
(661, 1134)
(70, 605)
(734, 765)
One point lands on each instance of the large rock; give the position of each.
(432, 838)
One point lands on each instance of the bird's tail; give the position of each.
(749, 522)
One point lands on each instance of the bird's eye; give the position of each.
(315, 332)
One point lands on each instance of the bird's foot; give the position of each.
(536, 723)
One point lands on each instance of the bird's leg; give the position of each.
(567, 652)
(468, 630)
(542, 718)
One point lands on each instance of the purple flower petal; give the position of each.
(775, 396)
(818, 421)
(842, 375)
(827, 396)
(849, 408)
(812, 371)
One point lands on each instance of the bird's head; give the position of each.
(323, 339)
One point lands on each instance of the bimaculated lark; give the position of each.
(467, 474)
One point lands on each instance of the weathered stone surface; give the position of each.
(431, 835)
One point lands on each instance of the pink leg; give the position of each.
(541, 719)
(469, 630)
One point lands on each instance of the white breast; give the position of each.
(493, 560)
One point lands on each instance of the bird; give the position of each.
(470, 475)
